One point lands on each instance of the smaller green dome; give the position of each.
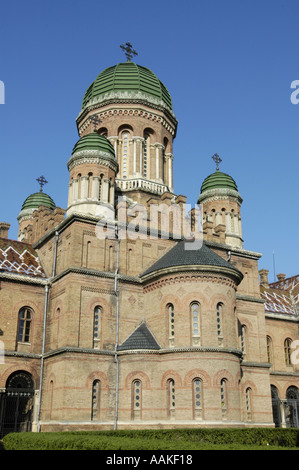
(94, 141)
(38, 199)
(218, 180)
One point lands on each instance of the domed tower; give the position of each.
(92, 168)
(30, 205)
(221, 207)
(135, 112)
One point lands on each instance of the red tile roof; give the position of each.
(19, 257)
(282, 296)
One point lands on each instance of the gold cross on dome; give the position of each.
(128, 50)
(95, 120)
(41, 181)
(217, 160)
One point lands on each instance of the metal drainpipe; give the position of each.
(117, 331)
(42, 358)
(44, 333)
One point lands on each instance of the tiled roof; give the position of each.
(19, 257)
(141, 338)
(180, 256)
(282, 296)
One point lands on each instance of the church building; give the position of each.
(123, 310)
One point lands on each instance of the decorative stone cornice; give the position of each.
(92, 156)
(182, 274)
(220, 194)
(169, 124)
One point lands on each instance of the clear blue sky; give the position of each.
(228, 66)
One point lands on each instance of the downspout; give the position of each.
(42, 357)
(44, 333)
(117, 333)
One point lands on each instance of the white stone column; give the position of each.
(170, 159)
(84, 187)
(134, 157)
(218, 219)
(236, 224)
(112, 191)
(105, 190)
(70, 196)
(75, 189)
(228, 222)
(95, 190)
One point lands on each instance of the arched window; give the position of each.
(95, 400)
(287, 351)
(146, 154)
(223, 395)
(269, 349)
(219, 321)
(125, 154)
(292, 407)
(249, 404)
(97, 314)
(136, 399)
(195, 322)
(197, 398)
(170, 311)
(24, 325)
(171, 397)
(243, 339)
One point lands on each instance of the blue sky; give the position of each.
(228, 66)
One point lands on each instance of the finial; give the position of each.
(41, 181)
(95, 120)
(128, 50)
(217, 160)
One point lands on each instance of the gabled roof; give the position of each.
(141, 338)
(180, 255)
(19, 257)
(282, 296)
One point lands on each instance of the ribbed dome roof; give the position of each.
(128, 77)
(93, 141)
(38, 199)
(218, 180)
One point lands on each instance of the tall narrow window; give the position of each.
(248, 403)
(146, 154)
(287, 351)
(219, 322)
(269, 349)
(194, 307)
(223, 392)
(170, 309)
(125, 149)
(24, 325)
(197, 398)
(243, 339)
(96, 326)
(136, 399)
(171, 397)
(95, 400)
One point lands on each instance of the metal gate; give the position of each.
(16, 406)
(291, 410)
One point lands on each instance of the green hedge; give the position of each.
(168, 439)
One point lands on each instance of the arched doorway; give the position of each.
(16, 403)
(292, 407)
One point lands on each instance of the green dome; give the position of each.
(94, 141)
(128, 77)
(218, 180)
(38, 199)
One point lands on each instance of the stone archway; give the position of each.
(16, 403)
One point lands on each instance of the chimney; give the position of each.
(264, 277)
(4, 227)
(281, 277)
